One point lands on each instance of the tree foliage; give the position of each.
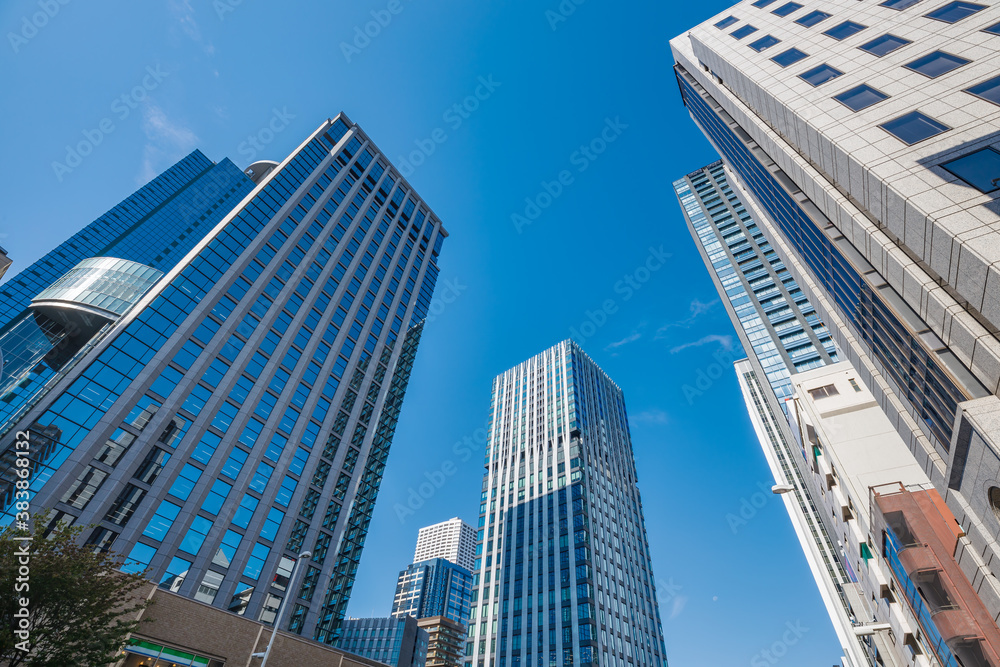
(81, 607)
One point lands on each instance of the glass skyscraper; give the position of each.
(435, 587)
(563, 574)
(242, 409)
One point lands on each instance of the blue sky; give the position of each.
(145, 83)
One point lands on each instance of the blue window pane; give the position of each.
(820, 75)
(763, 3)
(914, 127)
(216, 497)
(270, 528)
(740, 33)
(993, 29)
(787, 8)
(899, 4)
(955, 11)
(245, 511)
(196, 535)
(187, 354)
(175, 573)
(935, 64)
(981, 169)
(844, 30)
(162, 520)
(185, 482)
(988, 90)
(234, 463)
(764, 42)
(138, 559)
(789, 57)
(884, 45)
(259, 481)
(726, 22)
(812, 18)
(861, 97)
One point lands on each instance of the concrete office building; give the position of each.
(398, 642)
(454, 540)
(239, 410)
(445, 641)
(900, 543)
(860, 136)
(563, 573)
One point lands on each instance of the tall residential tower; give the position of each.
(453, 539)
(563, 573)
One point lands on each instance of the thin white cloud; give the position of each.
(697, 309)
(166, 142)
(184, 15)
(677, 607)
(624, 341)
(654, 416)
(724, 341)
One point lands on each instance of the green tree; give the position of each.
(81, 607)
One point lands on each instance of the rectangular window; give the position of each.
(914, 127)
(789, 57)
(844, 30)
(988, 90)
(196, 535)
(898, 5)
(955, 11)
(824, 391)
(216, 497)
(860, 97)
(820, 75)
(787, 8)
(993, 29)
(884, 45)
(812, 18)
(763, 3)
(726, 22)
(980, 169)
(764, 43)
(740, 33)
(935, 64)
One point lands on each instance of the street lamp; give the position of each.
(779, 489)
(281, 609)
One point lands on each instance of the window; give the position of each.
(884, 45)
(861, 97)
(935, 64)
(899, 5)
(955, 11)
(764, 42)
(993, 29)
(820, 75)
(914, 127)
(988, 90)
(854, 384)
(726, 22)
(789, 57)
(763, 3)
(980, 169)
(824, 392)
(786, 9)
(844, 30)
(812, 18)
(740, 33)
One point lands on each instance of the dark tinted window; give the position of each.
(861, 97)
(740, 33)
(935, 64)
(955, 11)
(764, 42)
(726, 22)
(786, 9)
(821, 74)
(884, 45)
(844, 30)
(812, 18)
(988, 90)
(789, 57)
(899, 4)
(914, 127)
(980, 169)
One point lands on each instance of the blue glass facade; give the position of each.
(928, 374)
(563, 574)
(786, 334)
(243, 412)
(435, 587)
(156, 226)
(392, 641)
